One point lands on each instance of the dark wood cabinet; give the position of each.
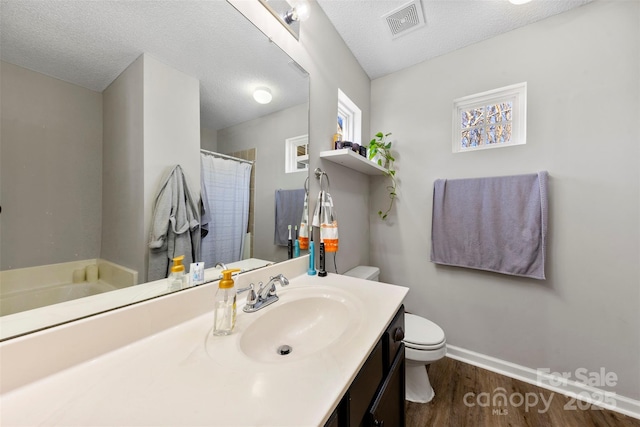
(388, 407)
(376, 396)
(392, 338)
(364, 387)
(334, 421)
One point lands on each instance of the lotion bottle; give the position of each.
(224, 305)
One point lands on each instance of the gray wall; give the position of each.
(152, 123)
(331, 65)
(171, 132)
(51, 179)
(123, 240)
(582, 69)
(208, 139)
(267, 134)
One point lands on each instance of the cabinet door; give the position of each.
(339, 416)
(393, 338)
(333, 420)
(387, 409)
(364, 387)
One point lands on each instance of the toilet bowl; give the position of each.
(424, 343)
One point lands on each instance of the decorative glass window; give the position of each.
(296, 154)
(349, 119)
(343, 121)
(492, 119)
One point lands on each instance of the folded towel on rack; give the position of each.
(497, 224)
(289, 204)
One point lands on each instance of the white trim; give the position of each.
(353, 130)
(291, 157)
(567, 387)
(516, 93)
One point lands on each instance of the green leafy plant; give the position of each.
(379, 146)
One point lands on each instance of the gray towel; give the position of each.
(497, 224)
(175, 226)
(289, 204)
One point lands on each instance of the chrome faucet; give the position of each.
(266, 295)
(270, 288)
(221, 264)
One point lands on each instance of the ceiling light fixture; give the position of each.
(300, 11)
(262, 95)
(518, 2)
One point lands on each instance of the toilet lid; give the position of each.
(422, 333)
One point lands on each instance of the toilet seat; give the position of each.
(423, 357)
(422, 334)
(425, 347)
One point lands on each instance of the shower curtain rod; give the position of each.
(226, 156)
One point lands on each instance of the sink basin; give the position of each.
(298, 328)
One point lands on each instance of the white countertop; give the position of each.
(185, 376)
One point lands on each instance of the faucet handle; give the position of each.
(283, 280)
(272, 291)
(241, 290)
(252, 298)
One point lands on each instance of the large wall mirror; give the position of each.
(80, 164)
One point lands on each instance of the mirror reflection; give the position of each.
(100, 102)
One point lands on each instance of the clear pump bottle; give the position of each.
(224, 306)
(177, 279)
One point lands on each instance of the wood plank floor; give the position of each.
(452, 380)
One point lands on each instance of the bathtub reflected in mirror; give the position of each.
(67, 301)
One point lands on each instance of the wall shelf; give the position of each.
(348, 158)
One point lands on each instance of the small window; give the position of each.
(297, 154)
(492, 119)
(349, 119)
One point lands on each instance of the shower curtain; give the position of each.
(225, 192)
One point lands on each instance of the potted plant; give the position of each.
(380, 152)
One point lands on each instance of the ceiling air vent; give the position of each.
(405, 19)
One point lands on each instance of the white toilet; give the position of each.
(424, 342)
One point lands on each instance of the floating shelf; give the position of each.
(348, 158)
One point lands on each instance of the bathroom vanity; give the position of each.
(376, 396)
(157, 363)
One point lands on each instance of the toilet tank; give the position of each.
(364, 272)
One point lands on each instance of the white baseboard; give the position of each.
(567, 387)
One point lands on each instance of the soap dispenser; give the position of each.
(177, 279)
(224, 308)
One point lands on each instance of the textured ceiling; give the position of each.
(450, 25)
(90, 43)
